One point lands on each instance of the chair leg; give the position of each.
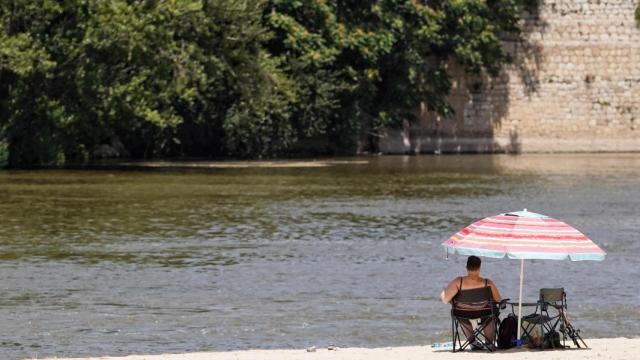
(476, 334)
(552, 325)
(526, 331)
(453, 332)
(463, 345)
(563, 328)
(481, 333)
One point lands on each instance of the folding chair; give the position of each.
(474, 305)
(555, 300)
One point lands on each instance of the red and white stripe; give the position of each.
(524, 237)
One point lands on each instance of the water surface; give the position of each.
(287, 255)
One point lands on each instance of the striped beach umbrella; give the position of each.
(523, 235)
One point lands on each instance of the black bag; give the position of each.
(508, 332)
(552, 340)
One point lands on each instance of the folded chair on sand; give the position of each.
(551, 315)
(474, 305)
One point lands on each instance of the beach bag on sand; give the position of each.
(552, 340)
(508, 332)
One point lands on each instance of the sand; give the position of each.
(619, 348)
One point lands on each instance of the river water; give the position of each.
(210, 257)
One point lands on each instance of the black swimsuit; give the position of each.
(485, 283)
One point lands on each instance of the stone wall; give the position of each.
(574, 85)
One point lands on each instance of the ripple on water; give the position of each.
(113, 262)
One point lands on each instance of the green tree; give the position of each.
(217, 78)
(378, 60)
(153, 75)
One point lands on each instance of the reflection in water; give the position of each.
(192, 257)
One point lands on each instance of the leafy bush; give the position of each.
(217, 78)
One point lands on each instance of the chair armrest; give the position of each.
(503, 303)
(514, 305)
(524, 304)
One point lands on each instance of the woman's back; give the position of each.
(472, 283)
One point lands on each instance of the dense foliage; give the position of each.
(81, 79)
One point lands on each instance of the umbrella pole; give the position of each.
(520, 298)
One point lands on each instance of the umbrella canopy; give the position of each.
(523, 235)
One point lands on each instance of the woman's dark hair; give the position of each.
(473, 263)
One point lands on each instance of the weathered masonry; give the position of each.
(574, 86)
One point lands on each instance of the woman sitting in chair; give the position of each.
(472, 281)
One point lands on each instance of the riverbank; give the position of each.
(619, 348)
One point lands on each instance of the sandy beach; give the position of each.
(619, 348)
